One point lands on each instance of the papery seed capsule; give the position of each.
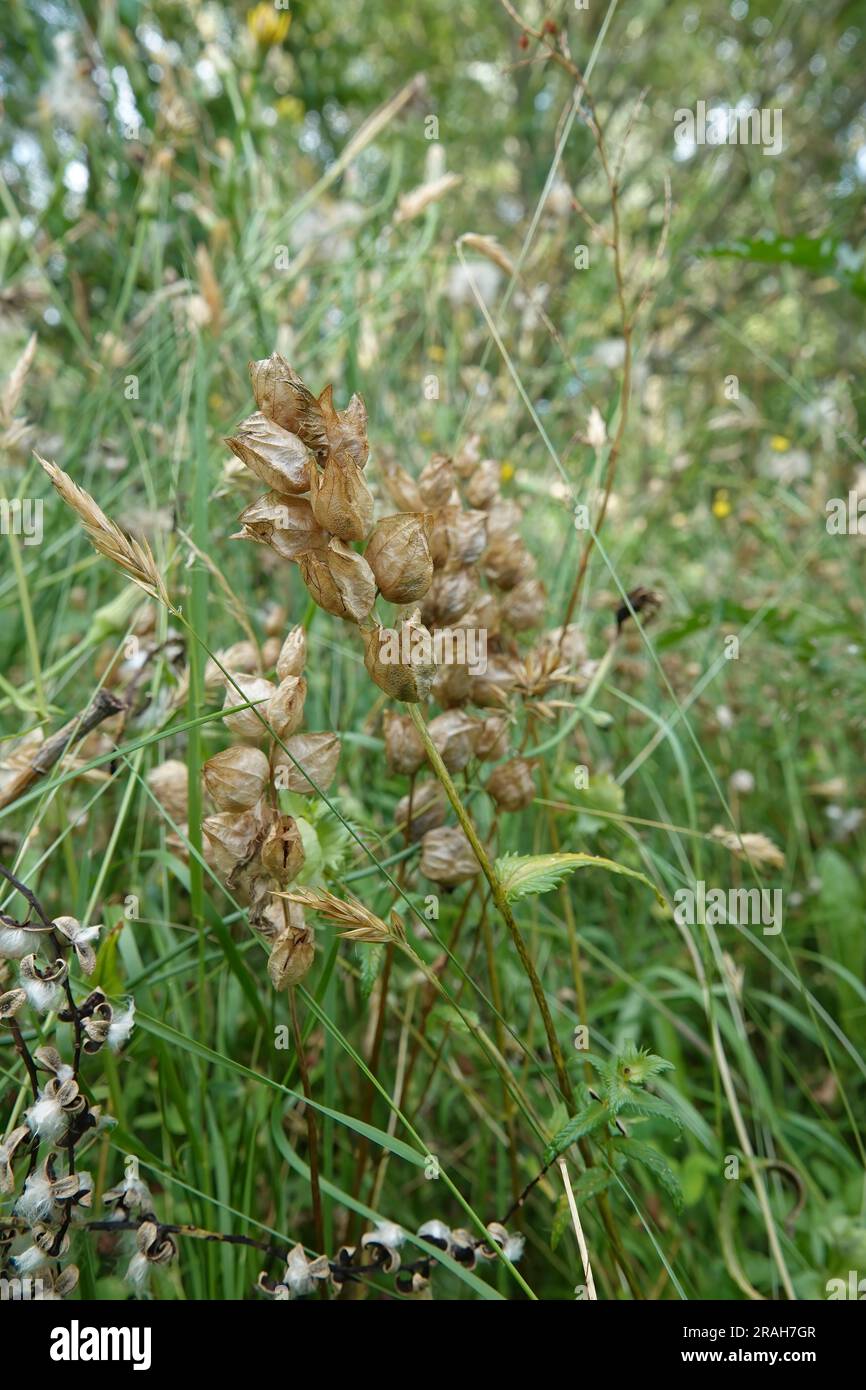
(568, 646)
(404, 750)
(398, 553)
(524, 606)
(286, 524)
(275, 623)
(468, 456)
(341, 501)
(283, 850)
(436, 482)
(170, 785)
(240, 656)
(400, 661)
(232, 838)
(511, 785)
(449, 596)
(286, 708)
(236, 778)
(279, 459)
(429, 807)
(451, 685)
(401, 487)
(318, 755)
(483, 487)
(447, 856)
(293, 654)
(503, 519)
(483, 615)
(491, 740)
(291, 957)
(281, 396)
(246, 723)
(273, 914)
(506, 562)
(497, 682)
(270, 652)
(453, 734)
(345, 430)
(467, 535)
(340, 581)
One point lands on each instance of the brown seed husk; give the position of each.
(491, 740)
(233, 838)
(506, 562)
(286, 709)
(341, 501)
(525, 605)
(449, 596)
(404, 750)
(398, 553)
(293, 654)
(429, 809)
(401, 487)
(279, 459)
(447, 856)
(436, 482)
(283, 850)
(281, 396)
(340, 581)
(170, 785)
(482, 490)
(453, 734)
(318, 755)
(236, 778)
(511, 785)
(291, 957)
(245, 723)
(384, 651)
(284, 523)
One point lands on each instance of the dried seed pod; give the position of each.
(567, 647)
(341, 501)
(483, 487)
(340, 581)
(281, 396)
(286, 524)
(283, 850)
(453, 733)
(286, 709)
(483, 614)
(449, 596)
(233, 838)
(398, 553)
(279, 459)
(491, 740)
(272, 914)
(404, 750)
(318, 755)
(245, 723)
(511, 785)
(291, 957)
(451, 685)
(293, 654)
(506, 562)
(400, 660)
(503, 519)
(345, 430)
(275, 623)
(525, 605)
(447, 856)
(401, 487)
(429, 809)
(497, 682)
(436, 483)
(240, 656)
(170, 785)
(270, 652)
(468, 456)
(236, 778)
(467, 535)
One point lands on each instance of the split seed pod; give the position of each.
(282, 397)
(232, 838)
(236, 778)
(447, 856)
(399, 555)
(278, 458)
(286, 524)
(341, 501)
(511, 785)
(291, 957)
(401, 488)
(318, 754)
(283, 850)
(286, 708)
(506, 562)
(340, 581)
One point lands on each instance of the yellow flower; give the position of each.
(289, 108)
(436, 353)
(506, 472)
(721, 504)
(780, 443)
(268, 25)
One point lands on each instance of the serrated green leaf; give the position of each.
(522, 875)
(583, 1123)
